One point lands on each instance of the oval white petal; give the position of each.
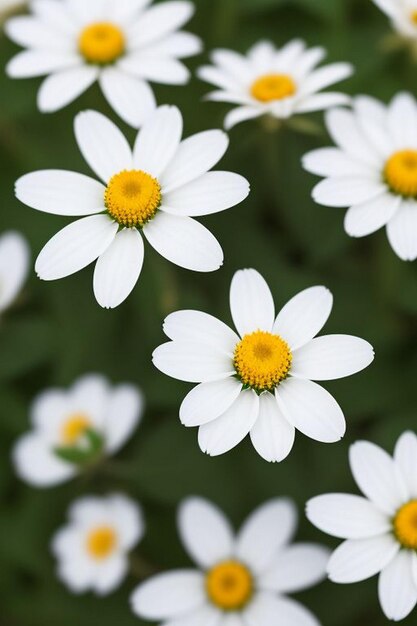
(405, 457)
(251, 302)
(296, 568)
(396, 589)
(131, 98)
(61, 88)
(368, 217)
(31, 63)
(202, 328)
(208, 401)
(269, 610)
(344, 191)
(14, 265)
(124, 412)
(401, 231)
(192, 362)
(36, 463)
(358, 559)
(272, 435)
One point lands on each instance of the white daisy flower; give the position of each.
(75, 428)
(402, 15)
(380, 529)
(373, 170)
(240, 580)
(121, 44)
(92, 550)
(259, 381)
(151, 192)
(14, 266)
(270, 81)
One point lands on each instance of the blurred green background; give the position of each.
(57, 332)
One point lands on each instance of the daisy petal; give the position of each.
(192, 362)
(241, 114)
(368, 217)
(30, 32)
(251, 302)
(298, 567)
(131, 98)
(343, 127)
(228, 430)
(160, 20)
(347, 516)
(322, 101)
(118, 269)
(201, 328)
(203, 616)
(75, 246)
(184, 241)
(268, 609)
(36, 463)
(123, 414)
(208, 401)
(325, 76)
(102, 144)
(304, 316)
(311, 409)
(332, 162)
(178, 45)
(182, 591)
(270, 527)
(61, 88)
(402, 120)
(205, 532)
(344, 191)
(401, 231)
(165, 70)
(272, 436)
(405, 457)
(396, 589)
(14, 264)
(358, 559)
(31, 63)
(111, 574)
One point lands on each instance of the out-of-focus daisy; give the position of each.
(92, 550)
(14, 266)
(373, 170)
(276, 82)
(121, 44)
(259, 381)
(75, 428)
(381, 528)
(151, 192)
(240, 579)
(402, 14)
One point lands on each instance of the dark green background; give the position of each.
(57, 332)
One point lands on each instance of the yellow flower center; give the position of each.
(132, 198)
(229, 585)
(413, 17)
(401, 172)
(262, 360)
(101, 542)
(74, 428)
(273, 87)
(405, 525)
(101, 43)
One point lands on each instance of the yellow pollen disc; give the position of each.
(262, 360)
(413, 17)
(401, 172)
(273, 87)
(405, 525)
(132, 198)
(229, 585)
(102, 43)
(74, 428)
(101, 542)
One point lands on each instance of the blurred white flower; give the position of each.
(92, 550)
(74, 428)
(121, 44)
(260, 380)
(240, 580)
(14, 266)
(277, 82)
(373, 170)
(402, 14)
(381, 528)
(152, 192)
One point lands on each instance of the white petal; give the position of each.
(304, 316)
(36, 464)
(61, 193)
(241, 114)
(181, 591)
(272, 435)
(30, 32)
(124, 412)
(111, 574)
(414, 568)
(401, 231)
(233, 63)
(184, 241)
(14, 266)
(48, 409)
(358, 559)
(311, 409)
(402, 120)
(192, 362)
(405, 457)
(102, 144)
(56, 15)
(268, 609)
(396, 589)
(87, 511)
(158, 140)
(211, 193)
(326, 76)
(128, 519)
(126, 10)
(178, 45)
(296, 568)
(331, 356)
(160, 20)
(131, 98)
(165, 70)
(75, 246)
(206, 615)
(262, 55)
(251, 302)
(201, 328)
(30, 63)
(205, 532)
(344, 129)
(347, 516)
(118, 269)
(344, 191)
(61, 88)
(77, 574)
(367, 217)
(377, 476)
(194, 157)
(270, 527)
(322, 101)
(90, 395)
(333, 162)
(228, 430)
(208, 401)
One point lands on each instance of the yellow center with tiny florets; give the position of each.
(101, 542)
(273, 87)
(401, 173)
(74, 428)
(101, 43)
(132, 198)
(262, 360)
(229, 585)
(413, 17)
(405, 525)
